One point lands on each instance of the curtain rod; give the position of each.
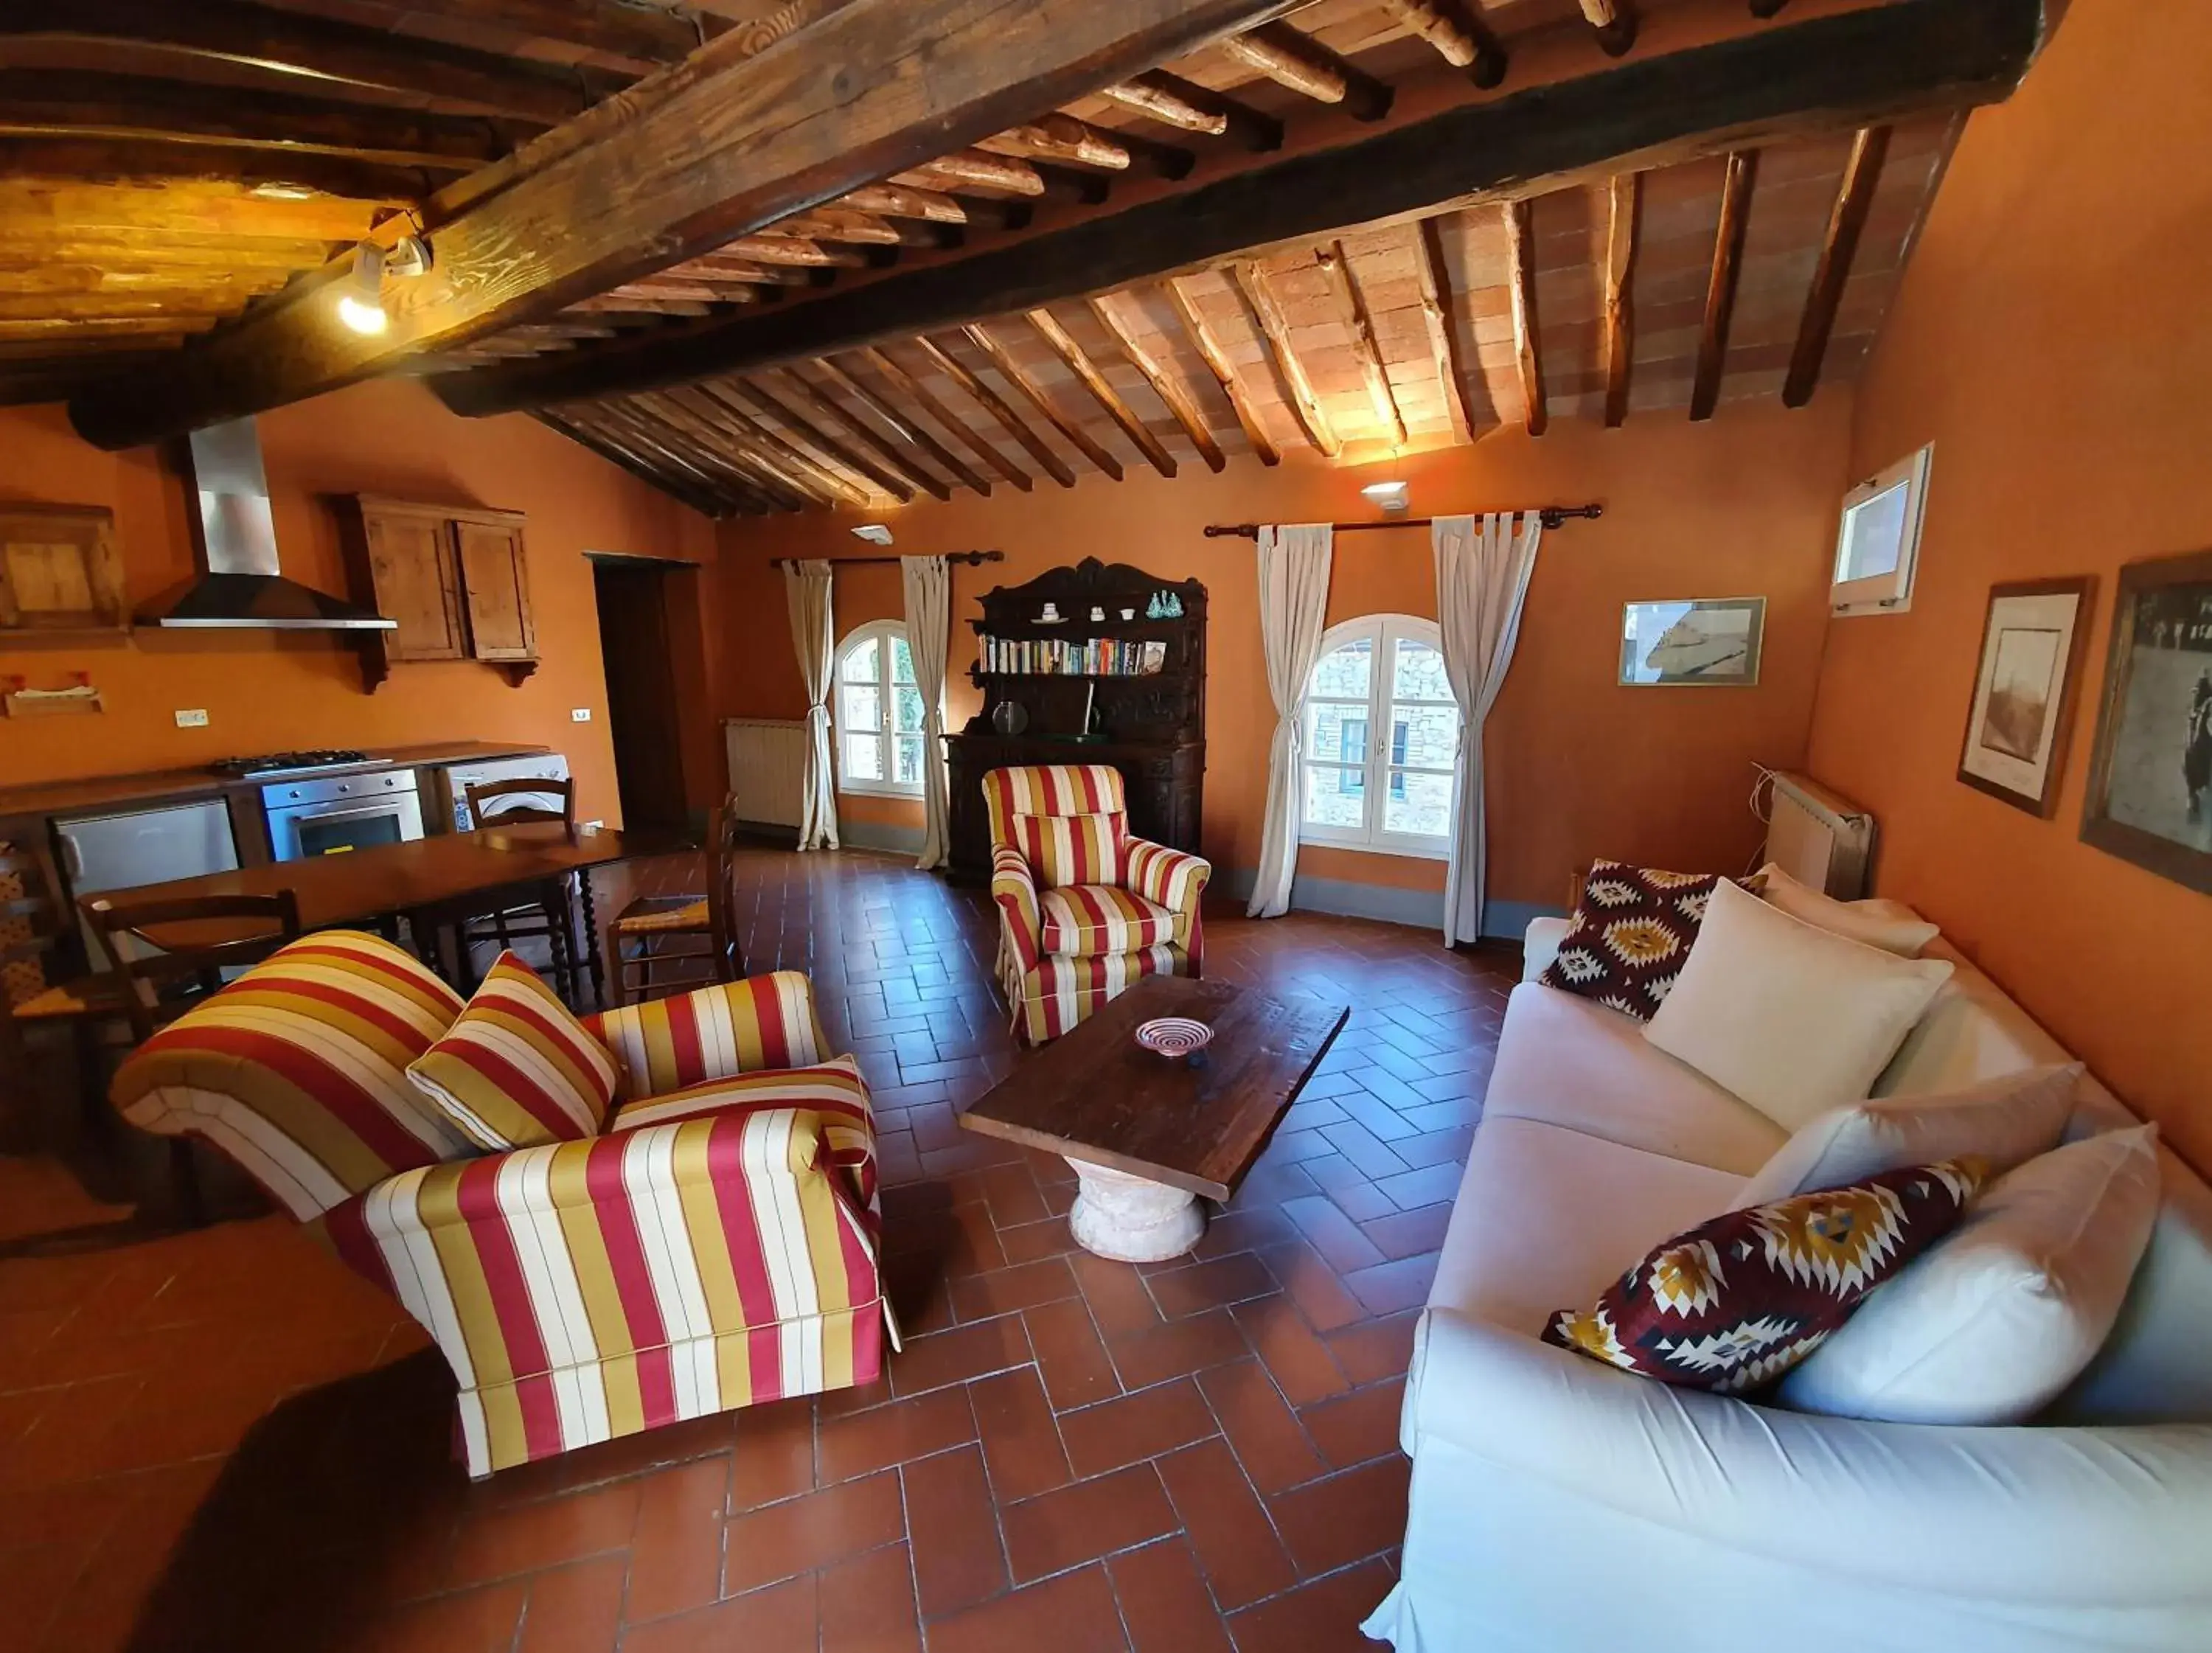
(974, 559)
(1553, 515)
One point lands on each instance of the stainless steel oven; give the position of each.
(342, 812)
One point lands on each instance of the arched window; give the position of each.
(1382, 736)
(878, 713)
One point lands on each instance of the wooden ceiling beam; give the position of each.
(767, 247)
(1623, 208)
(137, 162)
(912, 433)
(1165, 385)
(1614, 23)
(1093, 378)
(890, 481)
(898, 464)
(333, 56)
(893, 200)
(1215, 355)
(1438, 309)
(623, 303)
(1251, 281)
(1456, 34)
(686, 410)
(1521, 260)
(1721, 284)
(1019, 377)
(660, 442)
(719, 146)
(1816, 75)
(997, 406)
(1062, 137)
(1336, 269)
(697, 495)
(1846, 222)
(643, 34)
(1298, 61)
(788, 452)
(927, 401)
(980, 169)
(1764, 9)
(1189, 108)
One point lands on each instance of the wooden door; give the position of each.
(644, 718)
(413, 576)
(495, 587)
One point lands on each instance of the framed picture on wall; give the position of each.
(1696, 641)
(2150, 780)
(2023, 704)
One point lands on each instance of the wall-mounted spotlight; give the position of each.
(1393, 496)
(361, 296)
(874, 532)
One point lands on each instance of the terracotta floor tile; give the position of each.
(473, 1621)
(1004, 1290)
(1407, 1233)
(1012, 1195)
(1389, 1287)
(1236, 1543)
(1180, 1347)
(1322, 1617)
(1301, 1364)
(1430, 1185)
(811, 1531)
(780, 1619)
(1198, 1286)
(1028, 1241)
(1075, 1613)
(1164, 1601)
(1354, 1428)
(877, 1439)
(1335, 1236)
(1135, 1427)
(1022, 1447)
(866, 1604)
(1262, 1431)
(1070, 1355)
(1380, 1348)
(774, 1456)
(953, 1357)
(576, 1609)
(1088, 1519)
(954, 1529)
(1115, 1293)
(509, 1542)
(678, 1541)
(1321, 1296)
(1329, 1523)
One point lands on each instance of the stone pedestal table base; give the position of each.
(1131, 1219)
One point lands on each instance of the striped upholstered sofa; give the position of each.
(1084, 909)
(714, 1247)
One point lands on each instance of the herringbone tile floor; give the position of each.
(223, 1440)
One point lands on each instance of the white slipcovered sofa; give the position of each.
(1559, 1504)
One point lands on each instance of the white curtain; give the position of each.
(928, 627)
(806, 589)
(1482, 580)
(1294, 563)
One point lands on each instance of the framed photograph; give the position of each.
(2150, 780)
(1701, 641)
(2023, 704)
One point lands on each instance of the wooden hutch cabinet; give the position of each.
(1149, 724)
(456, 580)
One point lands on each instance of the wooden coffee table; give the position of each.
(1147, 1134)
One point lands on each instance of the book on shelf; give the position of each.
(1059, 657)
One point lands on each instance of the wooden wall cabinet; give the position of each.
(59, 570)
(456, 580)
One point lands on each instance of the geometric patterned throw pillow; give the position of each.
(1736, 1302)
(1630, 931)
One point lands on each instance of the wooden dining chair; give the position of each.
(702, 927)
(550, 913)
(41, 986)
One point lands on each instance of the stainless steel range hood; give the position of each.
(239, 585)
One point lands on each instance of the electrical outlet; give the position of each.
(193, 717)
(591, 826)
(582, 714)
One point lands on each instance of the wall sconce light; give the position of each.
(874, 532)
(361, 297)
(1393, 496)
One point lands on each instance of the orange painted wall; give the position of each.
(1578, 766)
(270, 690)
(2051, 340)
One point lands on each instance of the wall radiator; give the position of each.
(1818, 837)
(767, 768)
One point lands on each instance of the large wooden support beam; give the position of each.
(1215, 355)
(805, 430)
(1310, 69)
(914, 435)
(1460, 38)
(1000, 409)
(1824, 73)
(1165, 385)
(1720, 287)
(1521, 258)
(1846, 222)
(1251, 282)
(927, 401)
(1015, 374)
(901, 464)
(1433, 276)
(1088, 375)
(1336, 269)
(1624, 205)
(341, 59)
(720, 145)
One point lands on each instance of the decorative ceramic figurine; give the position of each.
(1128, 614)
(1097, 613)
(1051, 615)
(1173, 609)
(1157, 608)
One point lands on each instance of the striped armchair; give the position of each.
(714, 1246)
(1084, 908)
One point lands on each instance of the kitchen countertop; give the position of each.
(183, 785)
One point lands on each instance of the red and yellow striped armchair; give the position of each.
(715, 1245)
(1084, 909)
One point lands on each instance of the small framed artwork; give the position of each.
(2150, 780)
(1698, 641)
(2023, 705)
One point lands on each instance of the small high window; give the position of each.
(1878, 541)
(878, 713)
(1384, 671)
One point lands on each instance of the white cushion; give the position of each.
(1568, 1060)
(1972, 1032)
(2004, 1122)
(1889, 924)
(1992, 1323)
(1790, 1019)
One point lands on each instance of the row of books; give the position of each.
(1099, 657)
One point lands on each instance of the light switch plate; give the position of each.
(194, 717)
(582, 714)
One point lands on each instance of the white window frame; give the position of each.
(1383, 631)
(1891, 592)
(884, 633)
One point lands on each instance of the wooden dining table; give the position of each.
(434, 883)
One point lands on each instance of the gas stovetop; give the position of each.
(313, 763)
